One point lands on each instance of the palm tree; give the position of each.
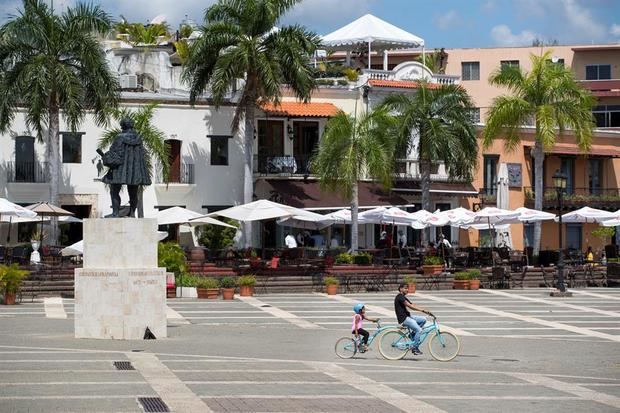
(432, 61)
(352, 149)
(549, 95)
(155, 146)
(239, 42)
(436, 123)
(51, 64)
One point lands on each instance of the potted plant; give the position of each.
(344, 258)
(228, 285)
(474, 279)
(432, 265)
(207, 287)
(11, 277)
(363, 258)
(331, 285)
(186, 286)
(254, 259)
(246, 285)
(461, 281)
(410, 281)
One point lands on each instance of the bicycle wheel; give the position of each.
(443, 346)
(393, 344)
(345, 348)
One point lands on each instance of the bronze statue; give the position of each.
(126, 166)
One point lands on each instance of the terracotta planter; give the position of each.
(474, 284)
(246, 291)
(210, 293)
(432, 269)
(228, 293)
(461, 284)
(331, 289)
(411, 288)
(9, 298)
(197, 254)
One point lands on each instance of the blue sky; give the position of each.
(445, 23)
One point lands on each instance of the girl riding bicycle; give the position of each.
(358, 321)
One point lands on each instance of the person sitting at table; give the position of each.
(589, 255)
(289, 241)
(402, 239)
(308, 240)
(431, 250)
(300, 239)
(319, 240)
(382, 243)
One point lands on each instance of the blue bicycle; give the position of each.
(394, 343)
(347, 347)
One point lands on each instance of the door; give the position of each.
(270, 145)
(24, 159)
(305, 140)
(175, 160)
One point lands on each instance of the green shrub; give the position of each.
(344, 258)
(186, 280)
(207, 282)
(228, 282)
(461, 276)
(217, 237)
(409, 279)
(474, 274)
(171, 256)
(246, 281)
(331, 281)
(363, 258)
(433, 260)
(11, 278)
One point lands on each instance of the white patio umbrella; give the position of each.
(491, 218)
(587, 215)
(184, 216)
(78, 247)
(527, 215)
(259, 210)
(343, 216)
(308, 221)
(9, 208)
(457, 217)
(613, 222)
(425, 219)
(384, 215)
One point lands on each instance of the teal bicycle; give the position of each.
(348, 347)
(395, 343)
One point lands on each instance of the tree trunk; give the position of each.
(539, 192)
(425, 184)
(53, 163)
(354, 223)
(248, 178)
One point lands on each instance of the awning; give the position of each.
(301, 110)
(612, 151)
(459, 189)
(307, 194)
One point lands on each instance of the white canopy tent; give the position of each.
(369, 30)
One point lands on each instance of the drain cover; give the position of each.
(123, 365)
(153, 404)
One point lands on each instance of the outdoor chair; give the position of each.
(19, 255)
(516, 261)
(461, 259)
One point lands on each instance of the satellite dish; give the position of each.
(555, 59)
(160, 19)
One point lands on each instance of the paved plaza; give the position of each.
(521, 351)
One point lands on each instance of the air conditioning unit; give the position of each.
(129, 81)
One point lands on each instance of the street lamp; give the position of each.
(559, 182)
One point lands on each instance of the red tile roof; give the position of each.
(298, 109)
(402, 84)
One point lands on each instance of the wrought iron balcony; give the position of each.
(410, 169)
(283, 164)
(27, 172)
(574, 198)
(184, 175)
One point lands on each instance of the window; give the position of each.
(71, 147)
(595, 179)
(598, 72)
(607, 116)
(568, 167)
(512, 63)
(573, 236)
(490, 174)
(475, 115)
(528, 235)
(470, 70)
(219, 150)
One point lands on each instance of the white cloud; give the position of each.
(503, 36)
(448, 20)
(488, 6)
(615, 30)
(581, 19)
(530, 8)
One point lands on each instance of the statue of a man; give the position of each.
(126, 166)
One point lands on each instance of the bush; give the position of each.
(246, 281)
(215, 236)
(433, 260)
(461, 276)
(474, 274)
(207, 282)
(362, 259)
(331, 281)
(11, 278)
(344, 258)
(171, 256)
(409, 279)
(228, 282)
(186, 280)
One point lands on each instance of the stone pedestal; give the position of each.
(120, 291)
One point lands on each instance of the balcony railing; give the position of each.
(375, 74)
(283, 164)
(185, 175)
(410, 169)
(28, 172)
(574, 198)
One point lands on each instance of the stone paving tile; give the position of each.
(268, 389)
(252, 376)
(77, 389)
(521, 406)
(125, 405)
(226, 404)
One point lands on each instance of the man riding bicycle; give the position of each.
(404, 317)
